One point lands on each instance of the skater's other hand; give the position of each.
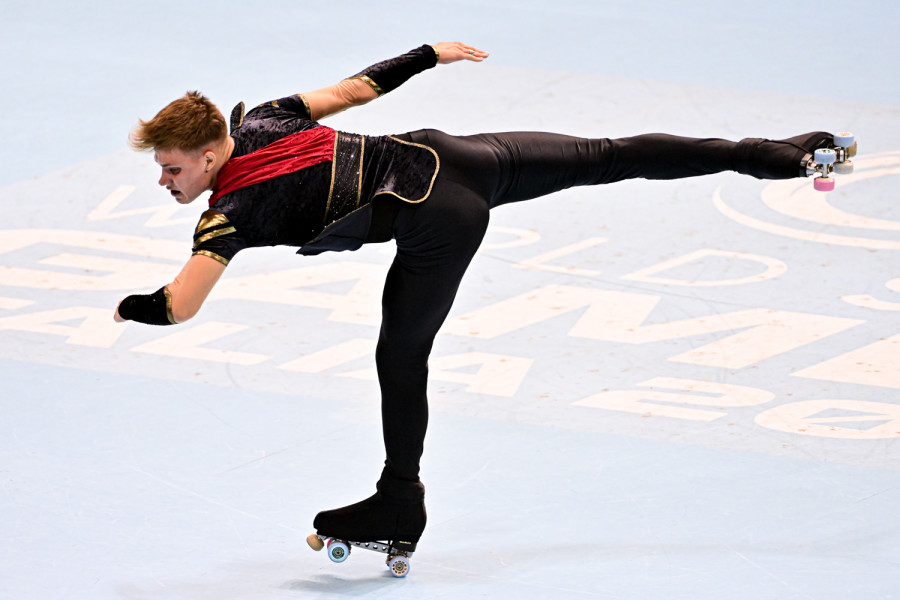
(449, 52)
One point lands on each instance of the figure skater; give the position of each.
(281, 178)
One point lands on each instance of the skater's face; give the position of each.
(185, 174)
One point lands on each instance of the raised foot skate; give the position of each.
(398, 559)
(826, 161)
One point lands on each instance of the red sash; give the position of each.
(287, 155)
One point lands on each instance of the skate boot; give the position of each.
(780, 159)
(391, 521)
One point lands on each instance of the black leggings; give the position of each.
(437, 239)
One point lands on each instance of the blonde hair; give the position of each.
(190, 123)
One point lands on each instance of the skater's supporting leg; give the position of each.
(436, 240)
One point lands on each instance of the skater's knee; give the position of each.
(404, 353)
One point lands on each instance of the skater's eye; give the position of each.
(174, 170)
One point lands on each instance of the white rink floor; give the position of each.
(652, 390)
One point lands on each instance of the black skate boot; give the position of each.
(780, 159)
(391, 521)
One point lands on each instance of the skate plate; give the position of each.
(837, 160)
(398, 561)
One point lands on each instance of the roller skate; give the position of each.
(398, 559)
(816, 153)
(390, 522)
(832, 158)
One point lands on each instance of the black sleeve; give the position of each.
(390, 74)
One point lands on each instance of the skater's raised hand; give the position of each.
(449, 52)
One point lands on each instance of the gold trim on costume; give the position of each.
(169, 305)
(333, 172)
(368, 80)
(237, 116)
(213, 234)
(212, 255)
(437, 53)
(210, 218)
(306, 104)
(437, 168)
(362, 151)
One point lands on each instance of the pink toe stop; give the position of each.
(824, 184)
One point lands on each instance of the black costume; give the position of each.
(430, 192)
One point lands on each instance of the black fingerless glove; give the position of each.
(152, 309)
(390, 74)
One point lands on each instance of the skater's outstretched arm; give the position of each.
(385, 76)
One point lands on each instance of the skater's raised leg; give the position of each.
(511, 167)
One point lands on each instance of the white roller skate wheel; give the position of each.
(399, 566)
(315, 542)
(843, 168)
(338, 551)
(844, 139)
(825, 156)
(824, 184)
